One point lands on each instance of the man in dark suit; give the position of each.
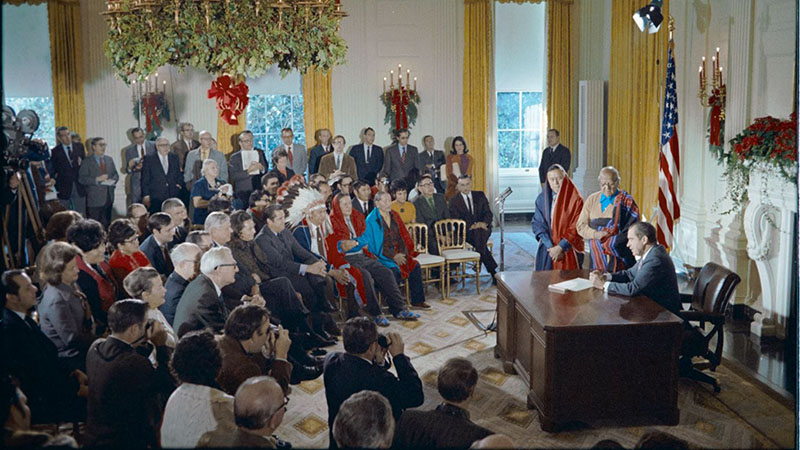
(431, 207)
(362, 202)
(361, 368)
(65, 160)
(155, 247)
(180, 219)
(555, 153)
(132, 164)
(185, 257)
(473, 208)
(323, 138)
(99, 177)
(202, 304)
(246, 179)
(185, 143)
(400, 159)
(28, 355)
(161, 176)
(432, 161)
(368, 157)
(448, 425)
(653, 275)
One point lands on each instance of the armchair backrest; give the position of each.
(714, 288)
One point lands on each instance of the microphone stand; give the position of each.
(500, 201)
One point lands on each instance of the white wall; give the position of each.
(26, 51)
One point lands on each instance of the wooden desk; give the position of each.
(587, 355)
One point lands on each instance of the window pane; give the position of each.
(508, 149)
(273, 140)
(260, 141)
(531, 148)
(531, 110)
(44, 108)
(268, 114)
(507, 110)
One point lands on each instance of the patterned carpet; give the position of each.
(740, 417)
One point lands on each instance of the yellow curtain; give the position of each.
(228, 135)
(67, 64)
(317, 103)
(560, 73)
(638, 68)
(478, 70)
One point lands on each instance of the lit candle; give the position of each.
(391, 79)
(164, 87)
(408, 78)
(146, 85)
(717, 55)
(415, 83)
(133, 90)
(384, 85)
(720, 76)
(700, 73)
(714, 63)
(399, 72)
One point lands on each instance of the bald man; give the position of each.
(259, 406)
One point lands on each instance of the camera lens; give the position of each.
(383, 341)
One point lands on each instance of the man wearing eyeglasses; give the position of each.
(246, 167)
(431, 207)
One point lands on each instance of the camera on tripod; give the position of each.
(19, 146)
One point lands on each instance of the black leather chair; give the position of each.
(713, 290)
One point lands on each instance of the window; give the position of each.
(520, 123)
(44, 108)
(268, 114)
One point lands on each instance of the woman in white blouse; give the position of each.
(145, 284)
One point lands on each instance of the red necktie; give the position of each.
(102, 165)
(291, 158)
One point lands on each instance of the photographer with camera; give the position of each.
(128, 380)
(361, 368)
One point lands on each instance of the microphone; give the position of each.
(504, 195)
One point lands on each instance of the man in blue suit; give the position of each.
(155, 246)
(369, 157)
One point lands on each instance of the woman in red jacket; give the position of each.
(127, 257)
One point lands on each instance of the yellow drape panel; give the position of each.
(226, 132)
(560, 69)
(317, 104)
(477, 78)
(66, 64)
(638, 64)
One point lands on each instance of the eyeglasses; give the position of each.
(131, 239)
(227, 265)
(285, 402)
(425, 184)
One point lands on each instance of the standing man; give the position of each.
(337, 163)
(132, 163)
(368, 157)
(246, 178)
(185, 143)
(555, 153)
(65, 159)
(99, 176)
(161, 176)
(431, 161)
(400, 159)
(298, 159)
(195, 158)
(473, 208)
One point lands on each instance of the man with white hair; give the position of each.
(218, 225)
(364, 421)
(195, 158)
(161, 176)
(185, 258)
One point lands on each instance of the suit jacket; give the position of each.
(200, 307)
(653, 276)
(357, 206)
(97, 194)
(317, 152)
(157, 184)
(480, 207)
(561, 155)
(438, 160)
(447, 426)
(153, 251)
(240, 438)
(238, 366)
(193, 166)
(175, 286)
(327, 165)
(367, 170)
(299, 158)
(428, 216)
(65, 171)
(62, 320)
(394, 166)
(180, 149)
(242, 181)
(134, 178)
(284, 253)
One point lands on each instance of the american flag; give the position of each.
(669, 209)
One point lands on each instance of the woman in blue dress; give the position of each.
(203, 189)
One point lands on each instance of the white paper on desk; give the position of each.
(249, 158)
(109, 182)
(574, 285)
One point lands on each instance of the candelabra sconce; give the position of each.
(716, 100)
(401, 101)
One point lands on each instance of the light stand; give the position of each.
(500, 201)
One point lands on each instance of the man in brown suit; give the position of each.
(337, 163)
(185, 143)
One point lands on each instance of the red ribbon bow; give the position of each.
(150, 107)
(231, 98)
(400, 102)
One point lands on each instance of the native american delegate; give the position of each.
(557, 211)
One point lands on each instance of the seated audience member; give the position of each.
(270, 183)
(473, 208)
(662, 441)
(16, 418)
(364, 421)
(382, 184)
(297, 154)
(387, 238)
(323, 139)
(180, 219)
(607, 444)
(362, 201)
(323, 188)
(259, 407)
(368, 156)
(56, 229)
(447, 426)
(138, 214)
(431, 162)
(200, 238)
(343, 184)
(124, 407)
(401, 205)
(64, 313)
(126, 257)
(494, 441)
(145, 284)
(30, 357)
(360, 368)
(204, 189)
(219, 203)
(431, 207)
(95, 278)
(195, 160)
(156, 246)
(347, 225)
(557, 211)
(259, 200)
(652, 276)
(280, 166)
(218, 225)
(338, 163)
(248, 335)
(197, 407)
(186, 258)
(315, 179)
(604, 222)
(246, 179)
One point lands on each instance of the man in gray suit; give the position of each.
(195, 158)
(99, 176)
(653, 275)
(431, 207)
(243, 177)
(132, 160)
(400, 159)
(432, 161)
(185, 143)
(298, 157)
